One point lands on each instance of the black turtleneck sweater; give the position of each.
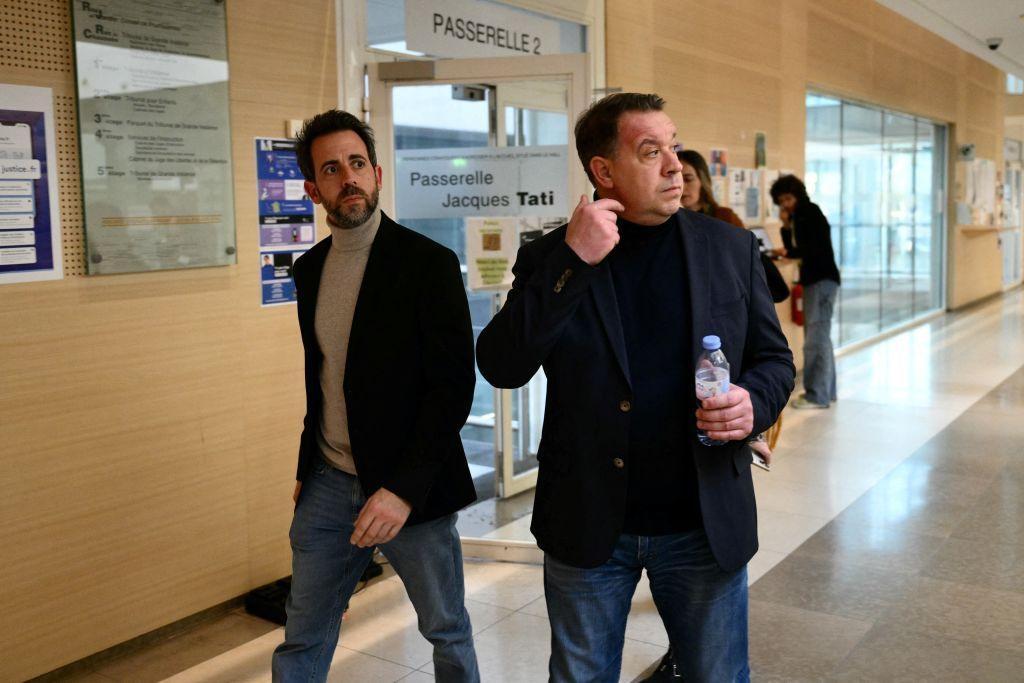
(652, 292)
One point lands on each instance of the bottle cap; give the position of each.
(711, 342)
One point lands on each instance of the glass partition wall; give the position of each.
(879, 176)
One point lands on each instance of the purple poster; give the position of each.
(287, 226)
(29, 222)
(286, 213)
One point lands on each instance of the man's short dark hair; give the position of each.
(330, 121)
(789, 184)
(597, 129)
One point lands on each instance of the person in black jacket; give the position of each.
(810, 239)
(614, 306)
(389, 384)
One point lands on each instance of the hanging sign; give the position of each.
(468, 28)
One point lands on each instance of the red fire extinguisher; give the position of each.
(796, 304)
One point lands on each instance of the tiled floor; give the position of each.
(892, 542)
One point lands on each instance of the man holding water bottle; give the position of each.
(614, 307)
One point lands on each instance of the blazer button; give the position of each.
(619, 463)
(625, 406)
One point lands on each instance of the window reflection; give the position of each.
(878, 176)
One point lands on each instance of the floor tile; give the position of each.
(162, 660)
(233, 629)
(349, 666)
(85, 677)
(807, 465)
(992, 618)
(784, 532)
(519, 530)
(979, 563)
(382, 622)
(515, 650)
(248, 663)
(891, 652)
(537, 608)
(880, 546)
(908, 505)
(801, 498)
(762, 563)
(997, 516)
(833, 587)
(504, 584)
(949, 454)
(788, 643)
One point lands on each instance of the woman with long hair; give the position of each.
(698, 194)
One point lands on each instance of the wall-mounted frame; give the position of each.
(154, 132)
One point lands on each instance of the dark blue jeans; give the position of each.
(326, 567)
(703, 608)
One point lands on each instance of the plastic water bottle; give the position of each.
(712, 378)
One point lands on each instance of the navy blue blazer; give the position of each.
(409, 374)
(562, 315)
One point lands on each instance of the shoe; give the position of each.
(802, 403)
(666, 671)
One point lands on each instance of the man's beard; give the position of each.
(352, 216)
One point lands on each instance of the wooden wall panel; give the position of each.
(838, 57)
(719, 103)
(978, 262)
(752, 36)
(987, 75)
(935, 92)
(629, 50)
(1014, 105)
(916, 41)
(150, 422)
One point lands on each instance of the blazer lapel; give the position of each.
(603, 291)
(695, 252)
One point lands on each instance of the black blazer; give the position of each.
(562, 314)
(409, 374)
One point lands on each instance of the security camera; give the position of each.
(994, 43)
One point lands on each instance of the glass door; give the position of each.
(472, 105)
(1013, 222)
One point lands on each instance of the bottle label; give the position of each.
(712, 382)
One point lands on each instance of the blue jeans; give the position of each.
(326, 567)
(703, 608)
(819, 359)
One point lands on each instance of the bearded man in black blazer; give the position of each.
(389, 384)
(613, 307)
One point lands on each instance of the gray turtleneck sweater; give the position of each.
(336, 303)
